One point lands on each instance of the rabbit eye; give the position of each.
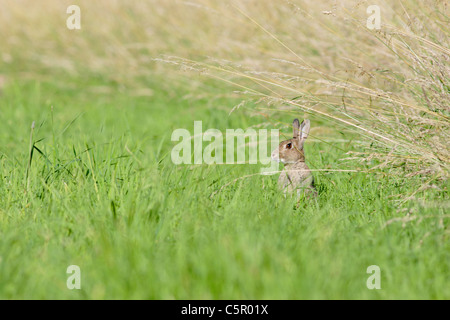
(289, 145)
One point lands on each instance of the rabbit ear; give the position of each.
(296, 125)
(306, 125)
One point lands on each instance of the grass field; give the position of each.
(99, 189)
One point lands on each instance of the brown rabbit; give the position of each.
(296, 176)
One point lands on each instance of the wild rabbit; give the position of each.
(296, 176)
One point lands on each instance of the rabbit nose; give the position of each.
(274, 155)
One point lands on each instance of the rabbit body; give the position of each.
(296, 176)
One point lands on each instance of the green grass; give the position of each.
(104, 195)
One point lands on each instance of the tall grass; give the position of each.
(391, 86)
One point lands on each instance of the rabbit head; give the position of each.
(291, 151)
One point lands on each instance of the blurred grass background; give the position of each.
(103, 193)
